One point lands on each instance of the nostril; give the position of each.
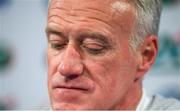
(72, 76)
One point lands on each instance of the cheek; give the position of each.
(53, 62)
(111, 67)
(112, 74)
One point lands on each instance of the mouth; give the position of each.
(71, 88)
(79, 85)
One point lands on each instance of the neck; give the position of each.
(132, 98)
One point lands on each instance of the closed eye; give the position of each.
(93, 47)
(57, 46)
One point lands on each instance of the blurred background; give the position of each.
(23, 69)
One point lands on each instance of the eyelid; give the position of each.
(93, 45)
(89, 41)
(54, 31)
(94, 49)
(56, 45)
(98, 43)
(56, 37)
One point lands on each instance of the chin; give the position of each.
(69, 106)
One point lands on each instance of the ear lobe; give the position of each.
(148, 53)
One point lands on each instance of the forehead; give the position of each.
(111, 13)
(108, 7)
(71, 4)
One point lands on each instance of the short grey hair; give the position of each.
(147, 20)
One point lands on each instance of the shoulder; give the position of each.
(161, 103)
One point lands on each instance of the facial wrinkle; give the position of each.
(59, 17)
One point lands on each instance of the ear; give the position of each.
(147, 54)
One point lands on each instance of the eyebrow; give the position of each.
(54, 30)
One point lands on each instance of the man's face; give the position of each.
(91, 65)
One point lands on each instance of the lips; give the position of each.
(72, 87)
(80, 84)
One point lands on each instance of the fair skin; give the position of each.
(90, 62)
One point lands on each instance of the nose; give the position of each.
(71, 64)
